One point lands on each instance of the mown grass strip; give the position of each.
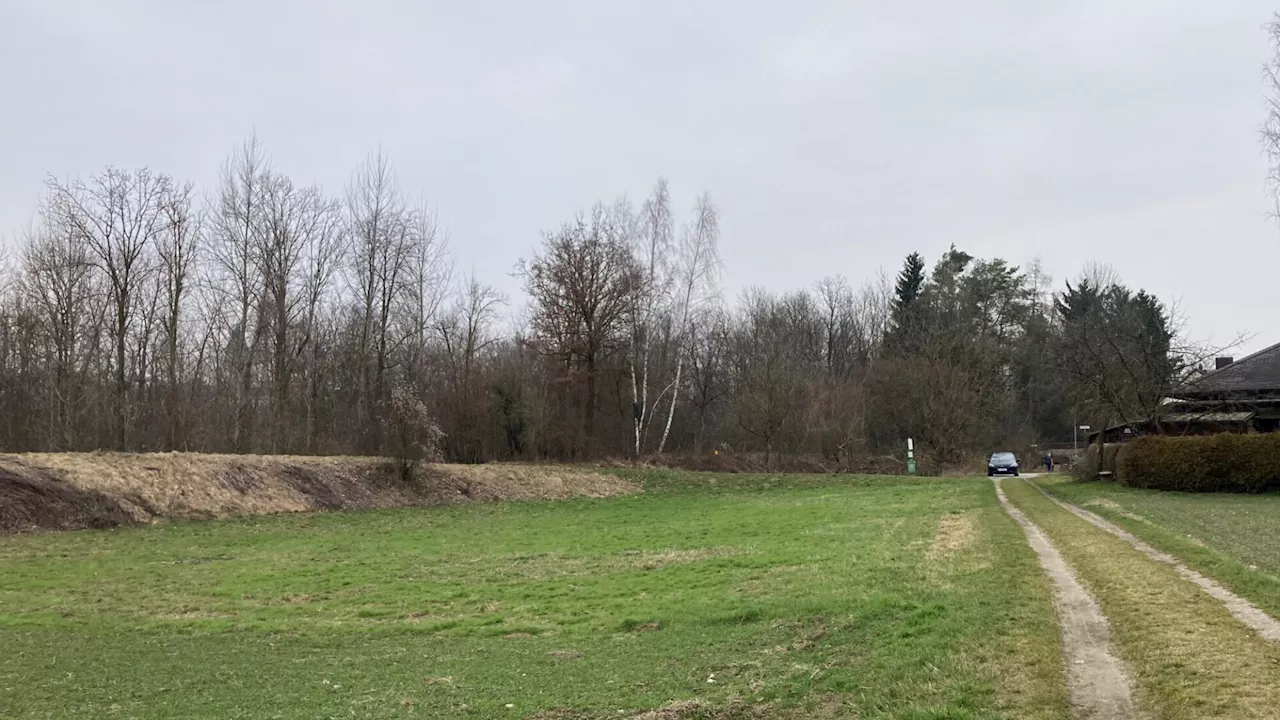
(1189, 657)
(1232, 539)
(1246, 612)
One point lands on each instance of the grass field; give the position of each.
(1235, 539)
(705, 597)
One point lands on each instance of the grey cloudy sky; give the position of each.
(835, 136)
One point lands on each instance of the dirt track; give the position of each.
(1243, 610)
(1098, 684)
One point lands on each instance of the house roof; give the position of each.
(1259, 372)
(1208, 417)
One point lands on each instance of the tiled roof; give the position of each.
(1260, 372)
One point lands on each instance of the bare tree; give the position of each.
(582, 286)
(177, 247)
(427, 276)
(294, 253)
(698, 268)
(709, 354)
(324, 248)
(58, 283)
(1271, 126)
(467, 334)
(384, 233)
(768, 347)
(118, 214)
(237, 224)
(652, 246)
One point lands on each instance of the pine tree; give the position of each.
(908, 289)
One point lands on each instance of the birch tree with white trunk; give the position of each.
(652, 245)
(697, 270)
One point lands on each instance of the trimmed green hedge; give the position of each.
(1209, 463)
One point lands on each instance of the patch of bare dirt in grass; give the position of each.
(955, 533)
(674, 711)
(542, 566)
(195, 615)
(666, 558)
(828, 707)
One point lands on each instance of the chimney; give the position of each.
(1223, 362)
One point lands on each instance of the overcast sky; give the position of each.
(836, 137)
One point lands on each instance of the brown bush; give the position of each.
(1211, 463)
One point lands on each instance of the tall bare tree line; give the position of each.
(268, 316)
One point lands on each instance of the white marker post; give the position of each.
(1086, 428)
(911, 457)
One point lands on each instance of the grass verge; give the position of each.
(772, 597)
(1189, 657)
(1234, 539)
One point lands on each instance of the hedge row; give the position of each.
(1209, 463)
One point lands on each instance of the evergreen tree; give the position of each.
(908, 289)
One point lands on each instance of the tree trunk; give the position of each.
(589, 412)
(122, 388)
(671, 411)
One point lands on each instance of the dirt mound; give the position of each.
(87, 490)
(518, 482)
(36, 501)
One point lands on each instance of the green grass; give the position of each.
(1234, 539)
(754, 596)
(1188, 657)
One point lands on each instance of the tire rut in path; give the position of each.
(1097, 683)
(1243, 610)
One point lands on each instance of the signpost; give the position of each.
(1086, 428)
(911, 457)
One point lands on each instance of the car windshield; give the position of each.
(1002, 458)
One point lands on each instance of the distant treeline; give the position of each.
(268, 317)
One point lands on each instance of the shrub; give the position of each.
(1110, 457)
(1087, 468)
(1211, 463)
(415, 436)
(1090, 467)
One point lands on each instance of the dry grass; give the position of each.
(521, 482)
(674, 711)
(955, 533)
(543, 566)
(147, 487)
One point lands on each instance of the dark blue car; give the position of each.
(1002, 463)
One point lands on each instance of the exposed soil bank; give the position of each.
(67, 491)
